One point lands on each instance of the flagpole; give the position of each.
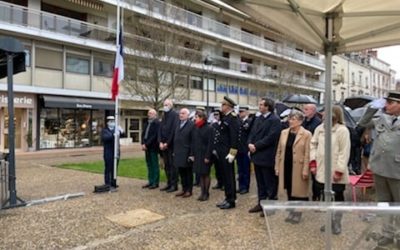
(116, 129)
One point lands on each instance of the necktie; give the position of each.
(394, 120)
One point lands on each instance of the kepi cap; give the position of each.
(243, 108)
(393, 95)
(228, 101)
(110, 117)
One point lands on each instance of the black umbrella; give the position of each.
(299, 98)
(280, 107)
(348, 118)
(357, 101)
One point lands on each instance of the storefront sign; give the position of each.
(20, 100)
(83, 106)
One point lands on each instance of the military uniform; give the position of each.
(227, 147)
(215, 161)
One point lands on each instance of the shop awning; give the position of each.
(77, 103)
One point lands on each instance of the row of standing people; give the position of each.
(279, 156)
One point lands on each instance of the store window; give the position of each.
(77, 64)
(49, 128)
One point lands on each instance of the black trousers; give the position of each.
(218, 171)
(338, 189)
(186, 174)
(109, 178)
(267, 182)
(228, 177)
(171, 171)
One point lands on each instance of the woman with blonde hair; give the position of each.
(291, 162)
(340, 158)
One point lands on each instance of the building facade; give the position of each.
(208, 50)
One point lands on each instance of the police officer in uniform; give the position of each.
(227, 149)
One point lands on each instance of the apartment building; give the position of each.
(62, 99)
(361, 73)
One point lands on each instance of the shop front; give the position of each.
(69, 122)
(24, 121)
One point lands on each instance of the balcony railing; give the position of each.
(183, 17)
(44, 21)
(17, 15)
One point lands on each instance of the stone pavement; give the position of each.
(81, 223)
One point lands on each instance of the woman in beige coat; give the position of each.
(340, 159)
(292, 160)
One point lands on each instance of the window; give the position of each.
(195, 82)
(27, 57)
(77, 64)
(103, 67)
(210, 82)
(353, 80)
(49, 59)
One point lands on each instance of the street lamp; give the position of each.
(208, 61)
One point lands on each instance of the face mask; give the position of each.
(166, 109)
(111, 125)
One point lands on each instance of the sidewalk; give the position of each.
(81, 223)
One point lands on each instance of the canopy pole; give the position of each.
(328, 131)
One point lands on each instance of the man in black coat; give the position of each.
(310, 122)
(227, 150)
(242, 158)
(262, 143)
(150, 147)
(166, 135)
(183, 156)
(216, 137)
(107, 137)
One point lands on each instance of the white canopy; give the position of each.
(357, 24)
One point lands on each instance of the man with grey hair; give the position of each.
(165, 138)
(312, 120)
(183, 156)
(150, 147)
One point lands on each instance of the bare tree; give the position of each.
(162, 60)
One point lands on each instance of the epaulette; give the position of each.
(233, 113)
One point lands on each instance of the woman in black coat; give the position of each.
(202, 149)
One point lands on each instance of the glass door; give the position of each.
(134, 128)
(18, 113)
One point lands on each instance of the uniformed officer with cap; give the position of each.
(107, 137)
(218, 168)
(385, 159)
(227, 149)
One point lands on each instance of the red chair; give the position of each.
(364, 181)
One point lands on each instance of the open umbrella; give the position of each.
(280, 107)
(299, 98)
(357, 101)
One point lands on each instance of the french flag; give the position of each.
(118, 74)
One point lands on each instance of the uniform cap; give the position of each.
(228, 101)
(110, 117)
(393, 95)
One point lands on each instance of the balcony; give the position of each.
(174, 15)
(43, 21)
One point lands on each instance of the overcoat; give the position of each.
(301, 157)
(183, 144)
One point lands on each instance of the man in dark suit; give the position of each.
(150, 147)
(183, 156)
(166, 135)
(216, 137)
(227, 149)
(310, 122)
(242, 158)
(262, 143)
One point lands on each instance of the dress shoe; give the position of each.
(172, 189)
(290, 217)
(217, 187)
(228, 205)
(186, 195)
(181, 193)
(244, 191)
(165, 188)
(256, 209)
(146, 186)
(203, 197)
(222, 203)
(385, 241)
(153, 187)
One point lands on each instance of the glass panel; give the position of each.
(134, 136)
(103, 67)
(68, 128)
(77, 65)
(134, 124)
(82, 138)
(337, 225)
(97, 126)
(49, 128)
